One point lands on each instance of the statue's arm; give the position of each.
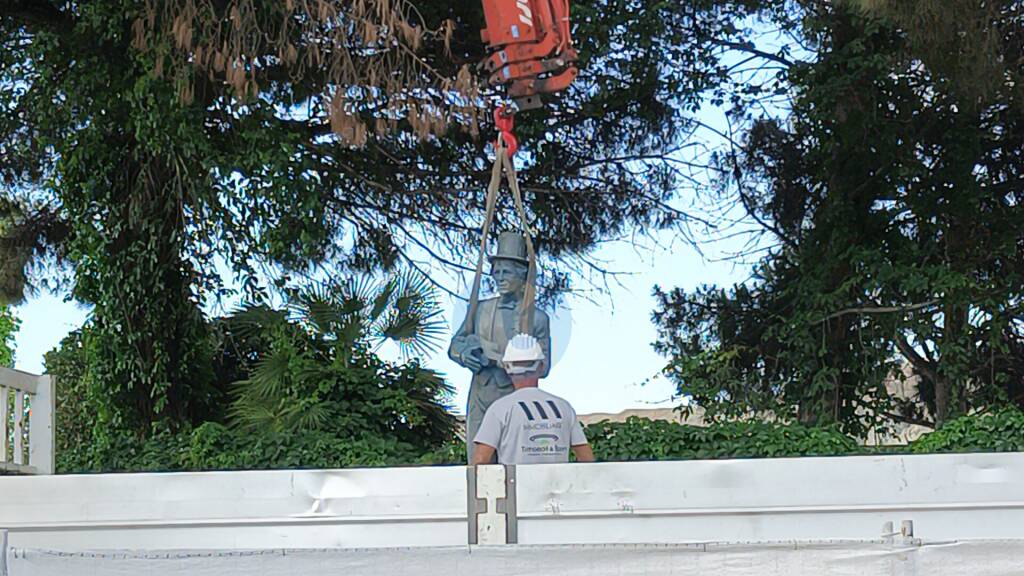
(542, 332)
(457, 342)
(462, 346)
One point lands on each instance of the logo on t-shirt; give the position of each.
(541, 444)
(541, 412)
(533, 426)
(547, 447)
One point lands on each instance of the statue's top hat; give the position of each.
(511, 246)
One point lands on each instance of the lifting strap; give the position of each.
(504, 164)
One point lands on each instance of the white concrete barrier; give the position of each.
(944, 497)
(237, 510)
(933, 498)
(933, 515)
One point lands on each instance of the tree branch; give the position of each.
(879, 310)
(910, 420)
(751, 49)
(916, 360)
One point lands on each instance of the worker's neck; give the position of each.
(529, 383)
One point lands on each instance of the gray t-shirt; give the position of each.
(531, 426)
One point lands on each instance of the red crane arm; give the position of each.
(530, 48)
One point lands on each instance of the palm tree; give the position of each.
(314, 364)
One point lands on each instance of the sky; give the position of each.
(603, 353)
(604, 361)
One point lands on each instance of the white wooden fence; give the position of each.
(26, 423)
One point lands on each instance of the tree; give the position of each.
(317, 369)
(145, 141)
(75, 409)
(295, 386)
(963, 41)
(9, 324)
(891, 195)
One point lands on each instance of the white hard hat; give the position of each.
(522, 355)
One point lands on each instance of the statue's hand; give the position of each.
(470, 353)
(472, 361)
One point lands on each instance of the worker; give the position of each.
(481, 340)
(529, 426)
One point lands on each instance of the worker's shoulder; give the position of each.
(504, 403)
(556, 398)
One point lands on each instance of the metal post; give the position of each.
(4, 396)
(19, 428)
(43, 427)
(491, 503)
(3, 552)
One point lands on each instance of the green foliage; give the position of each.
(1000, 431)
(146, 196)
(643, 439)
(306, 390)
(893, 211)
(85, 402)
(452, 452)
(9, 324)
(965, 41)
(214, 446)
(217, 447)
(75, 412)
(317, 371)
(102, 182)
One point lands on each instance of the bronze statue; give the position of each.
(480, 342)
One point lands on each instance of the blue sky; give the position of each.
(604, 361)
(608, 355)
(603, 356)
(603, 347)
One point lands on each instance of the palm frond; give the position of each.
(312, 415)
(269, 377)
(357, 293)
(414, 321)
(254, 414)
(417, 333)
(430, 398)
(381, 300)
(310, 375)
(297, 382)
(415, 286)
(320, 308)
(351, 331)
(253, 321)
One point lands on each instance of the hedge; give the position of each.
(643, 439)
(215, 447)
(1000, 431)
